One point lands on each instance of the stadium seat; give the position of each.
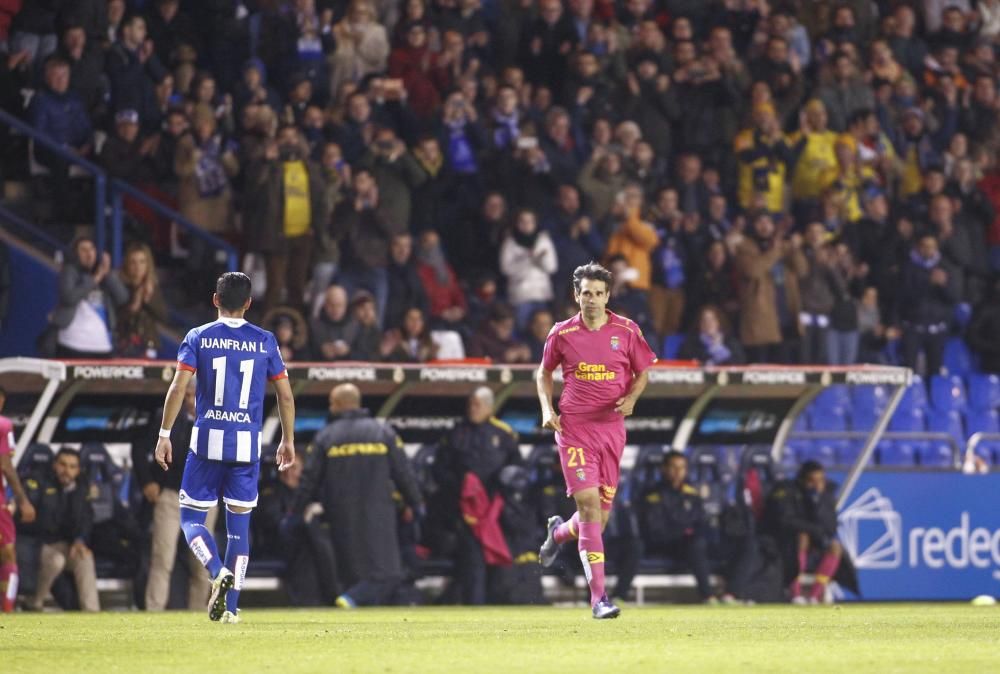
(824, 453)
(801, 424)
(833, 418)
(947, 393)
(848, 452)
(864, 418)
(672, 346)
(911, 421)
(647, 470)
(914, 397)
(936, 455)
(833, 396)
(36, 462)
(896, 453)
(869, 397)
(949, 422)
(981, 421)
(104, 477)
(957, 357)
(984, 391)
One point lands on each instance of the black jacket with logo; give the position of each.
(64, 515)
(353, 466)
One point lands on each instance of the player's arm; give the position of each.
(171, 408)
(544, 384)
(23, 504)
(286, 413)
(624, 406)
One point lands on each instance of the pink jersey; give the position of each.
(597, 365)
(6, 437)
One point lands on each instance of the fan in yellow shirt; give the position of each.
(812, 147)
(762, 157)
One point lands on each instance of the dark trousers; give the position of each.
(471, 572)
(693, 551)
(781, 353)
(814, 346)
(289, 269)
(914, 341)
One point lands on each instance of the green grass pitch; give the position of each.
(852, 638)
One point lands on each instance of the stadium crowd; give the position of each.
(772, 181)
(793, 182)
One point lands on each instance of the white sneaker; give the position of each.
(230, 618)
(800, 601)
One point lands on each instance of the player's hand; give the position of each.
(624, 406)
(27, 511)
(286, 456)
(152, 492)
(552, 422)
(79, 550)
(164, 453)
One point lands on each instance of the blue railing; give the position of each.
(118, 189)
(95, 171)
(33, 230)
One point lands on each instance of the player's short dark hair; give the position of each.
(808, 468)
(673, 454)
(233, 290)
(593, 272)
(66, 451)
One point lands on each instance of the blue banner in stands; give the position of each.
(916, 536)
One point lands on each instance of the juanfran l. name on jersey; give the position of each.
(232, 344)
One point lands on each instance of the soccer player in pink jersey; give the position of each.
(604, 358)
(8, 557)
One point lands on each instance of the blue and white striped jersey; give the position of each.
(232, 361)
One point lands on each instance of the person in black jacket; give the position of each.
(303, 542)
(928, 294)
(162, 490)
(353, 466)
(801, 515)
(63, 525)
(482, 445)
(672, 517)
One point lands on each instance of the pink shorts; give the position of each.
(8, 534)
(590, 454)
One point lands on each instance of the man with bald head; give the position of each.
(329, 327)
(352, 467)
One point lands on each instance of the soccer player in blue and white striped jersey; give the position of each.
(232, 361)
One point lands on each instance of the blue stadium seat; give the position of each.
(915, 395)
(936, 455)
(36, 462)
(984, 391)
(828, 419)
(797, 449)
(864, 418)
(869, 397)
(801, 424)
(957, 358)
(949, 422)
(672, 346)
(911, 421)
(833, 396)
(849, 452)
(981, 421)
(948, 392)
(822, 452)
(896, 453)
